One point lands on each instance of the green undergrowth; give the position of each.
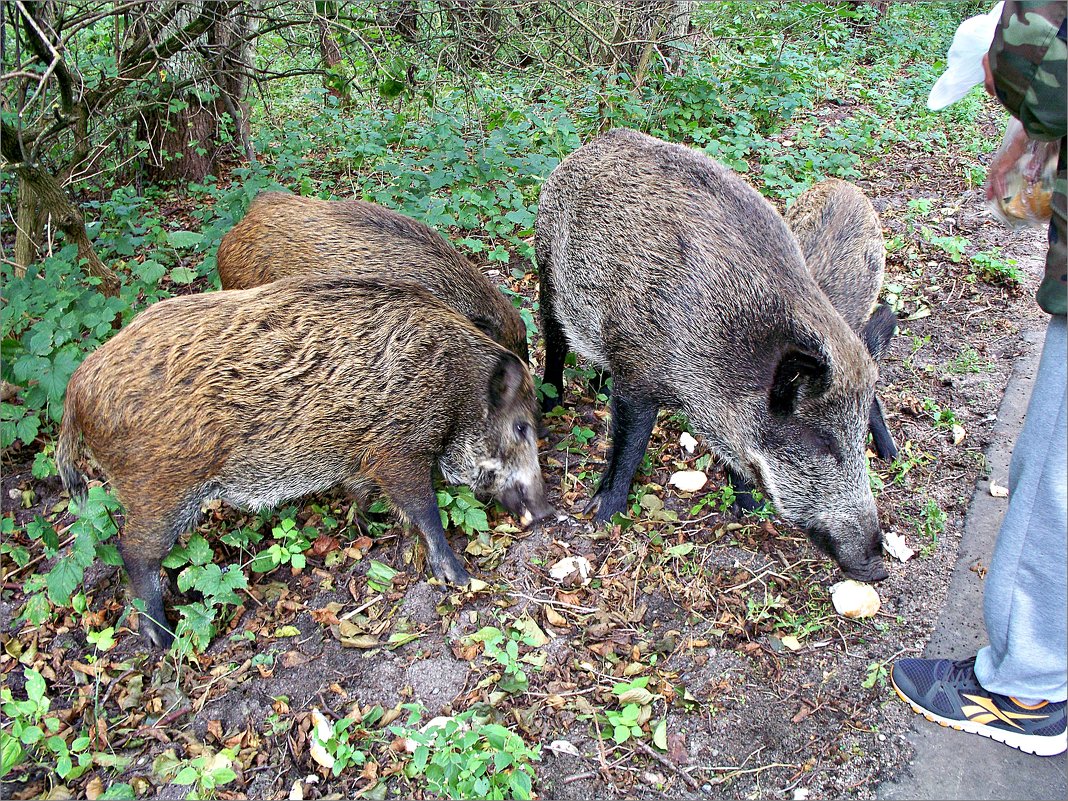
(807, 95)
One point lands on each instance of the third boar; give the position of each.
(665, 268)
(284, 234)
(842, 241)
(263, 395)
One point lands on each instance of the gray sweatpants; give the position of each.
(1024, 601)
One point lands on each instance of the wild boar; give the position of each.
(841, 239)
(284, 234)
(665, 268)
(262, 395)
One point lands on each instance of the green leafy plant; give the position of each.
(459, 506)
(503, 648)
(877, 674)
(348, 740)
(989, 266)
(94, 525)
(217, 587)
(204, 774)
(626, 722)
(288, 548)
(466, 758)
(32, 733)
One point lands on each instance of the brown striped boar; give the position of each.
(842, 241)
(263, 395)
(284, 234)
(665, 268)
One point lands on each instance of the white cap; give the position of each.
(964, 64)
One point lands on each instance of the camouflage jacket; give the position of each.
(1029, 62)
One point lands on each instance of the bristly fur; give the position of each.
(666, 268)
(262, 395)
(283, 235)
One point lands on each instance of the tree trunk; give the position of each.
(476, 26)
(680, 37)
(640, 27)
(53, 201)
(330, 52)
(228, 40)
(182, 142)
(27, 228)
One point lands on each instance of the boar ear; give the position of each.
(879, 330)
(507, 381)
(799, 373)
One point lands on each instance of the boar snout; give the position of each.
(857, 549)
(872, 570)
(526, 503)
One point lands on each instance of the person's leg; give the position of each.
(1024, 600)
(1014, 690)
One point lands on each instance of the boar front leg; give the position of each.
(743, 493)
(411, 489)
(881, 437)
(633, 417)
(555, 343)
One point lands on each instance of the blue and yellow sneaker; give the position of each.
(946, 692)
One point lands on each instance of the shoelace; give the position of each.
(961, 669)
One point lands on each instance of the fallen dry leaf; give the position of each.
(572, 570)
(323, 731)
(997, 490)
(677, 751)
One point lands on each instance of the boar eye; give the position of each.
(521, 430)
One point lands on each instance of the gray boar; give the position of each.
(284, 234)
(666, 269)
(842, 242)
(263, 395)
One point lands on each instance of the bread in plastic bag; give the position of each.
(964, 62)
(1019, 184)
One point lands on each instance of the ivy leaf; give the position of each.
(40, 341)
(35, 686)
(149, 271)
(55, 375)
(37, 609)
(198, 551)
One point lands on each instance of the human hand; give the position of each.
(1004, 162)
(988, 76)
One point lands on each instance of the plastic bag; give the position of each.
(964, 63)
(1019, 182)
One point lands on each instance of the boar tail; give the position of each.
(69, 450)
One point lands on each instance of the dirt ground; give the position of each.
(747, 715)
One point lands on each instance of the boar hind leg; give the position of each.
(880, 434)
(411, 489)
(633, 417)
(143, 544)
(555, 345)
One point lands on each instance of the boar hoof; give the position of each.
(160, 636)
(601, 509)
(449, 571)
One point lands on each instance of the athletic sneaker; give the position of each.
(946, 692)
